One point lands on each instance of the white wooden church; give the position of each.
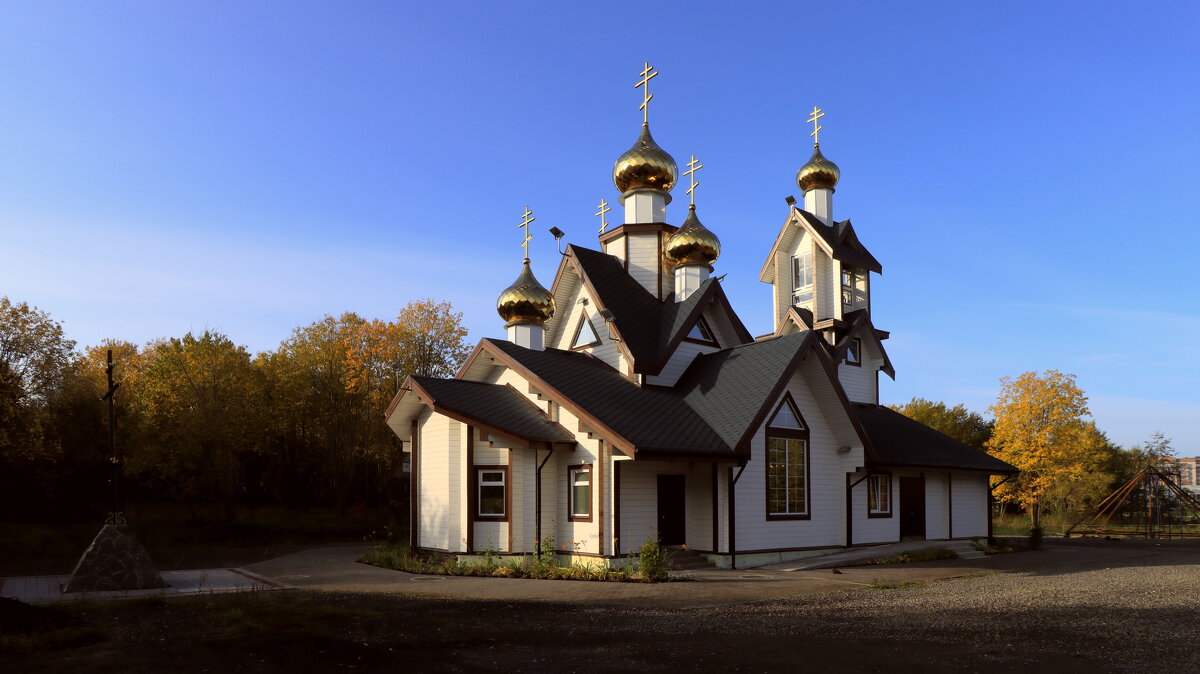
(630, 403)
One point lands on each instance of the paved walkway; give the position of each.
(856, 555)
(48, 589)
(334, 569)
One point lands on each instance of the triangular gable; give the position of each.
(701, 333)
(585, 334)
(787, 415)
(862, 329)
(795, 319)
(839, 242)
(851, 249)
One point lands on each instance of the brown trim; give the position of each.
(507, 517)
(626, 260)
(891, 495)
(715, 507)
(634, 228)
(583, 317)
(571, 516)
(508, 497)
(731, 527)
(617, 508)
(598, 486)
(468, 419)
(704, 329)
(414, 484)
(473, 490)
(788, 434)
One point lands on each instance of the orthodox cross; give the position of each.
(603, 209)
(115, 517)
(693, 166)
(647, 75)
(526, 218)
(816, 115)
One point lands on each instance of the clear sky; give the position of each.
(1026, 172)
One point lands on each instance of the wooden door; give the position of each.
(671, 513)
(912, 507)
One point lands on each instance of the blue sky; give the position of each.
(1026, 172)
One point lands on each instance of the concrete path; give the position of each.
(48, 589)
(334, 569)
(857, 555)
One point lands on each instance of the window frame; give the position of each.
(572, 470)
(583, 317)
(477, 488)
(811, 268)
(802, 435)
(887, 480)
(705, 328)
(854, 347)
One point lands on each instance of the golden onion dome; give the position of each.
(818, 172)
(645, 165)
(525, 301)
(692, 243)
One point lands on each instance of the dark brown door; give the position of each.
(670, 510)
(912, 507)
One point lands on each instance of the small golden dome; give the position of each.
(525, 301)
(818, 172)
(692, 243)
(645, 165)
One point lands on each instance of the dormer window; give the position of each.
(585, 334)
(802, 278)
(854, 353)
(854, 287)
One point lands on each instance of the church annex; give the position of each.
(630, 403)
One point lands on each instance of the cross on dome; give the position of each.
(647, 75)
(603, 209)
(526, 218)
(693, 166)
(817, 114)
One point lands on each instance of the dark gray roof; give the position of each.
(651, 329)
(653, 419)
(496, 406)
(900, 441)
(843, 241)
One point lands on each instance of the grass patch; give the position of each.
(877, 585)
(910, 556)
(649, 566)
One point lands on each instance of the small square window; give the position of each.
(492, 493)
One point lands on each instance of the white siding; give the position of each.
(639, 501)
(571, 310)
(829, 429)
(824, 268)
(858, 381)
(440, 491)
(873, 529)
(936, 513)
(969, 501)
(645, 260)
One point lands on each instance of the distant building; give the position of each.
(1189, 472)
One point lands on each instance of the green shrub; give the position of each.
(652, 561)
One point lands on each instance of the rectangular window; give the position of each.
(802, 277)
(854, 287)
(879, 495)
(787, 476)
(579, 493)
(492, 486)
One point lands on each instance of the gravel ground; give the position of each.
(1127, 606)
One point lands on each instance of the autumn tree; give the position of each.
(1041, 429)
(958, 422)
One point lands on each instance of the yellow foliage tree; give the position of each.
(1041, 429)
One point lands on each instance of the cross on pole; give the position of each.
(603, 209)
(816, 115)
(693, 166)
(115, 516)
(647, 75)
(526, 218)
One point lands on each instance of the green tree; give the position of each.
(957, 422)
(1041, 429)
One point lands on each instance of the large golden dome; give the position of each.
(818, 172)
(645, 165)
(692, 243)
(525, 301)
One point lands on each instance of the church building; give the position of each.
(629, 402)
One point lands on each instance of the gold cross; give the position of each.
(603, 209)
(526, 218)
(646, 95)
(816, 115)
(693, 166)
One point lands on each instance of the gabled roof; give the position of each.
(638, 419)
(861, 326)
(649, 330)
(900, 441)
(838, 240)
(498, 408)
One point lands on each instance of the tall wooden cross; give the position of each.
(603, 209)
(526, 218)
(816, 115)
(647, 75)
(693, 166)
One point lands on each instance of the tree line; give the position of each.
(201, 420)
(1041, 424)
